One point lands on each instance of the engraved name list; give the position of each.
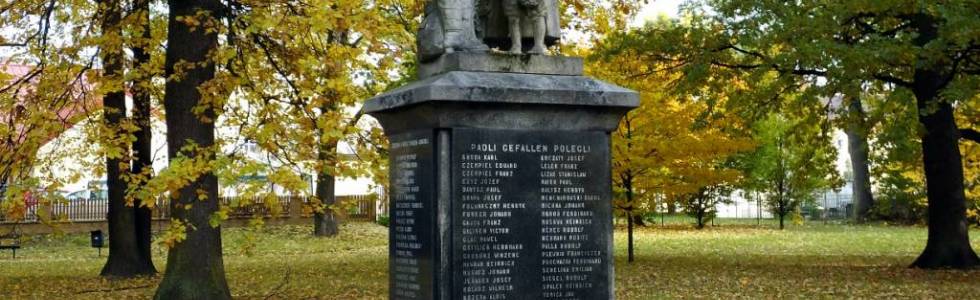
(532, 215)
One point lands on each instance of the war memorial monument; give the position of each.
(500, 162)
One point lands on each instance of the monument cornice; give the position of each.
(505, 88)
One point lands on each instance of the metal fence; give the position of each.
(355, 207)
(824, 206)
(834, 206)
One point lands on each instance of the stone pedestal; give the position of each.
(500, 179)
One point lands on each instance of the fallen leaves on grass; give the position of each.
(732, 261)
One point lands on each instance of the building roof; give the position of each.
(20, 81)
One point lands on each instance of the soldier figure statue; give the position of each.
(528, 26)
(448, 27)
(530, 10)
(455, 25)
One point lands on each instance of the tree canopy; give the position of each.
(924, 55)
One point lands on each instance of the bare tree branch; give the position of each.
(893, 80)
(970, 135)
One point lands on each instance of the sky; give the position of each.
(648, 11)
(656, 7)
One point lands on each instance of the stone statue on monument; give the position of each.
(448, 26)
(521, 26)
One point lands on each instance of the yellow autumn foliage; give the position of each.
(671, 145)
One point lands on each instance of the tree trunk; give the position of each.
(698, 210)
(781, 217)
(948, 245)
(638, 220)
(195, 268)
(857, 147)
(325, 222)
(125, 259)
(629, 235)
(702, 215)
(143, 146)
(628, 186)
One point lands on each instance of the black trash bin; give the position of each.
(98, 240)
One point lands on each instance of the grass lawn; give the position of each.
(673, 261)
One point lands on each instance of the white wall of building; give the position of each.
(72, 153)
